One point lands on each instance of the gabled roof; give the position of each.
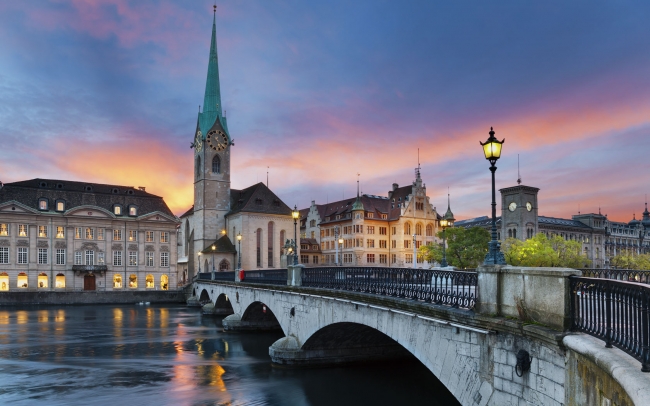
(553, 221)
(257, 199)
(483, 221)
(222, 245)
(78, 194)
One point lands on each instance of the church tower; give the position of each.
(211, 145)
(519, 218)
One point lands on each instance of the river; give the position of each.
(171, 355)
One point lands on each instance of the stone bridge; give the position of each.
(472, 352)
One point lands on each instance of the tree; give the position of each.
(541, 251)
(625, 260)
(466, 247)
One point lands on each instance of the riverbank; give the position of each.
(90, 297)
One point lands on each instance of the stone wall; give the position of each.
(70, 298)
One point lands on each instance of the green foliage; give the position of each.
(466, 247)
(626, 260)
(541, 251)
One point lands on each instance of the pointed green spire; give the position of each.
(212, 99)
(357, 204)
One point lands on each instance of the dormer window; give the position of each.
(117, 210)
(133, 211)
(42, 204)
(60, 205)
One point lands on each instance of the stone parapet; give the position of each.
(537, 295)
(294, 275)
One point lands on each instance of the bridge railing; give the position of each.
(217, 276)
(628, 275)
(266, 276)
(615, 311)
(454, 288)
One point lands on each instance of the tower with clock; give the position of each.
(211, 146)
(519, 212)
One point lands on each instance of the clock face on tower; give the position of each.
(512, 206)
(529, 206)
(217, 140)
(198, 142)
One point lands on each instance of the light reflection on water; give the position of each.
(97, 355)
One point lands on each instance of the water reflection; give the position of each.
(170, 355)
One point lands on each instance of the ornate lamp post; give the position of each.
(199, 261)
(492, 151)
(415, 252)
(239, 253)
(213, 248)
(296, 215)
(341, 243)
(446, 221)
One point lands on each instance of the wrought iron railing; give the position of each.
(614, 311)
(266, 276)
(454, 288)
(627, 275)
(218, 276)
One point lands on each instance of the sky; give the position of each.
(317, 92)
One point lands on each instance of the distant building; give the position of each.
(209, 229)
(64, 235)
(601, 239)
(376, 230)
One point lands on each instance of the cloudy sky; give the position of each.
(108, 91)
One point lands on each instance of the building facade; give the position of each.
(375, 230)
(209, 231)
(64, 235)
(601, 238)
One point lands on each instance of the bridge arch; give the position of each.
(222, 305)
(205, 296)
(259, 313)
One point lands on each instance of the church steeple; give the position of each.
(212, 99)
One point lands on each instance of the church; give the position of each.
(226, 226)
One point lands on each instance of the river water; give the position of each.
(170, 355)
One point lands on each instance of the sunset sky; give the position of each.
(108, 92)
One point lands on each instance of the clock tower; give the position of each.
(211, 143)
(519, 212)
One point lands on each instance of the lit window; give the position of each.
(42, 256)
(164, 236)
(133, 235)
(100, 234)
(60, 281)
(77, 233)
(22, 230)
(117, 281)
(133, 211)
(60, 232)
(22, 255)
(42, 281)
(4, 281)
(60, 206)
(149, 236)
(133, 258)
(100, 258)
(117, 235)
(133, 281)
(164, 282)
(149, 283)
(117, 210)
(42, 204)
(90, 234)
(4, 229)
(22, 280)
(42, 231)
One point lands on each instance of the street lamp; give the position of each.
(492, 151)
(296, 215)
(446, 221)
(213, 248)
(239, 254)
(199, 261)
(341, 243)
(336, 241)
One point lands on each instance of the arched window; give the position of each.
(133, 281)
(282, 237)
(117, 281)
(4, 281)
(429, 230)
(418, 229)
(216, 164)
(198, 166)
(42, 281)
(164, 282)
(22, 280)
(407, 228)
(60, 281)
(514, 233)
(149, 282)
(224, 265)
(509, 233)
(270, 240)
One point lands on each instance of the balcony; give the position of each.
(89, 269)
